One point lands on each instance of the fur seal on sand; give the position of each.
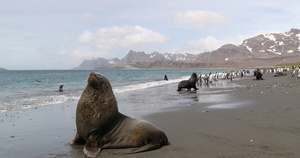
(100, 125)
(190, 83)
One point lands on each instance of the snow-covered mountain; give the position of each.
(274, 44)
(262, 50)
(97, 62)
(134, 56)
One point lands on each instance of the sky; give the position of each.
(60, 34)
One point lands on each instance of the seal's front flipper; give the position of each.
(146, 147)
(91, 149)
(78, 140)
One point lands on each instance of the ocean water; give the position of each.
(34, 88)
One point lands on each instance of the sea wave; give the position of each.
(140, 86)
(26, 102)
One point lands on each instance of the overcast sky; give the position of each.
(60, 34)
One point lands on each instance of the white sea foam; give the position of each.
(145, 85)
(33, 102)
(228, 105)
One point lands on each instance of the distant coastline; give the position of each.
(1, 68)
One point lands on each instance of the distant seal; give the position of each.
(190, 83)
(166, 78)
(278, 74)
(258, 74)
(100, 125)
(61, 88)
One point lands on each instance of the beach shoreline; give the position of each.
(258, 118)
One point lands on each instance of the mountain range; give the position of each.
(135, 59)
(262, 50)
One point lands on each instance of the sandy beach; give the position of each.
(247, 118)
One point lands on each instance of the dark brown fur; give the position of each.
(100, 125)
(190, 83)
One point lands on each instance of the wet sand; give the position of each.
(259, 118)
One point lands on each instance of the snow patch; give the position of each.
(274, 51)
(226, 59)
(262, 51)
(167, 56)
(249, 48)
(180, 59)
(270, 37)
(278, 53)
(290, 51)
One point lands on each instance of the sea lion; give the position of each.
(61, 88)
(190, 83)
(100, 125)
(166, 78)
(278, 74)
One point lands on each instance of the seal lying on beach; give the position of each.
(190, 83)
(100, 125)
(278, 74)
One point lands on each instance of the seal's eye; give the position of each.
(98, 83)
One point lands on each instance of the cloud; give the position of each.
(110, 42)
(199, 18)
(86, 15)
(209, 43)
(122, 36)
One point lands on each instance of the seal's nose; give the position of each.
(91, 74)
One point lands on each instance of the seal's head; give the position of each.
(193, 78)
(98, 81)
(194, 74)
